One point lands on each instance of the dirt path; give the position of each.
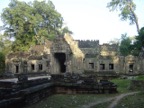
(98, 102)
(118, 98)
(113, 104)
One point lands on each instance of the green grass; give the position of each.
(133, 101)
(141, 77)
(122, 85)
(102, 105)
(70, 101)
(78, 100)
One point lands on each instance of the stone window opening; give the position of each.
(102, 66)
(40, 67)
(32, 67)
(111, 66)
(91, 65)
(47, 63)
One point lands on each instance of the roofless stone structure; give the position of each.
(64, 54)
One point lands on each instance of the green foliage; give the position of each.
(2, 62)
(1, 45)
(139, 43)
(125, 45)
(127, 10)
(5, 44)
(31, 23)
(65, 30)
(1, 42)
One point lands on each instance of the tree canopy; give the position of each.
(31, 23)
(139, 43)
(127, 10)
(125, 45)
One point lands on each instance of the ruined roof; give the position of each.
(48, 43)
(33, 57)
(74, 46)
(90, 56)
(18, 55)
(38, 49)
(105, 57)
(108, 47)
(109, 50)
(90, 50)
(88, 43)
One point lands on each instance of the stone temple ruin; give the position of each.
(65, 54)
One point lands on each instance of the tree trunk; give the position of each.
(136, 19)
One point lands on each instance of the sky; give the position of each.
(92, 20)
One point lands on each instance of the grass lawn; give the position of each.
(134, 101)
(122, 85)
(102, 105)
(70, 101)
(141, 77)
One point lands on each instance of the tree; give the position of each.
(65, 30)
(30, 23)
(5, 44)
(1, 43)
(114, 41)
(125, 45)
(2, 62)
(127, 10)
(139, 43)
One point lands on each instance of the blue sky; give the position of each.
(90, 19)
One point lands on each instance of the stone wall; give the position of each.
(88, 43)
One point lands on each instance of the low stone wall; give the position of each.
(136, 85)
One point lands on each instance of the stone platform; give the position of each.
(30, 90)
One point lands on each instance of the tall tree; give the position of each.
(125, 45)
(138, 46)
(5, 44)
(127, 10)
(30, 23)
(1, 42)
(2, 62)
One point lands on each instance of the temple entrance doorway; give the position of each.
(61, 59)
(131, 67)
(17, 68)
